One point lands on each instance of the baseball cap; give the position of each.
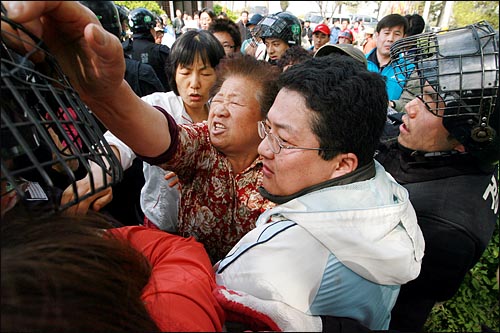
(322, 28)
(347, 49)
(345, 34)
(256, 18)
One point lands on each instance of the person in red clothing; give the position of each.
(321, 36)
(68, 274)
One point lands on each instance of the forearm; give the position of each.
(123, 152)
(135, 122)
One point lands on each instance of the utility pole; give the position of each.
(427, 9)
(444, 21)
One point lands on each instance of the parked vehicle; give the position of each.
(368, 21)
(341, 17)
(314, 18)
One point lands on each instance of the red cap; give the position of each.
(322, 28)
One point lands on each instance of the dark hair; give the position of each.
(226, 25)
(293, 55)
(349, 104)
(210, 12)
(393, 20)
(261, 72)
(416, 24)
(187, 47)
(65, 273)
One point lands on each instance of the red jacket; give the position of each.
(179, 294)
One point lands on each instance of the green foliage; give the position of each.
(468, 12)
(152, 6)
(476, 302)
(230, 14)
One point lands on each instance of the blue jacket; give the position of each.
(393, 88)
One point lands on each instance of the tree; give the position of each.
(445, 17)
(321, 9)
(469, 12)
(152, 6)
(335, 7)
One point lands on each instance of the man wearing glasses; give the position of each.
(228, 34)
(344, 235)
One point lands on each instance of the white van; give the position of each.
(315, 19)
(368, 21)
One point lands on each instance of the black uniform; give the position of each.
(142, 78)
(456, 202)
(308, 32)
(142, 47)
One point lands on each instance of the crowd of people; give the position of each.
(256, 175)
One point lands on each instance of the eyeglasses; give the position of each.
(274, 142)
(228, 47)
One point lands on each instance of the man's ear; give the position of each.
(347, 163)
(460, 148)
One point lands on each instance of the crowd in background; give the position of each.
(260, 156)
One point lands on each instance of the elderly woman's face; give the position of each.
(234, 113)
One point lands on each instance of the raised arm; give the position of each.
(93, 60)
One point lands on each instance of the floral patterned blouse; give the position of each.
(217, 207)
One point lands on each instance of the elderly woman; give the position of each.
(216, 162)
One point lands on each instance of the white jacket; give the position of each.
(159, 201)
(340, 251)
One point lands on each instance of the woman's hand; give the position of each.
(91, 57)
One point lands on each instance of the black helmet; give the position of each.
(282, 25)
(462, 67)
(141, 20)
(45, 126)
(122, 12)
(107, 14)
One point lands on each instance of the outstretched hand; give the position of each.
(93, 60)
(91, 57)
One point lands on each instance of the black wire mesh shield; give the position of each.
(39, 108)
(455, 63)
(461, 66)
